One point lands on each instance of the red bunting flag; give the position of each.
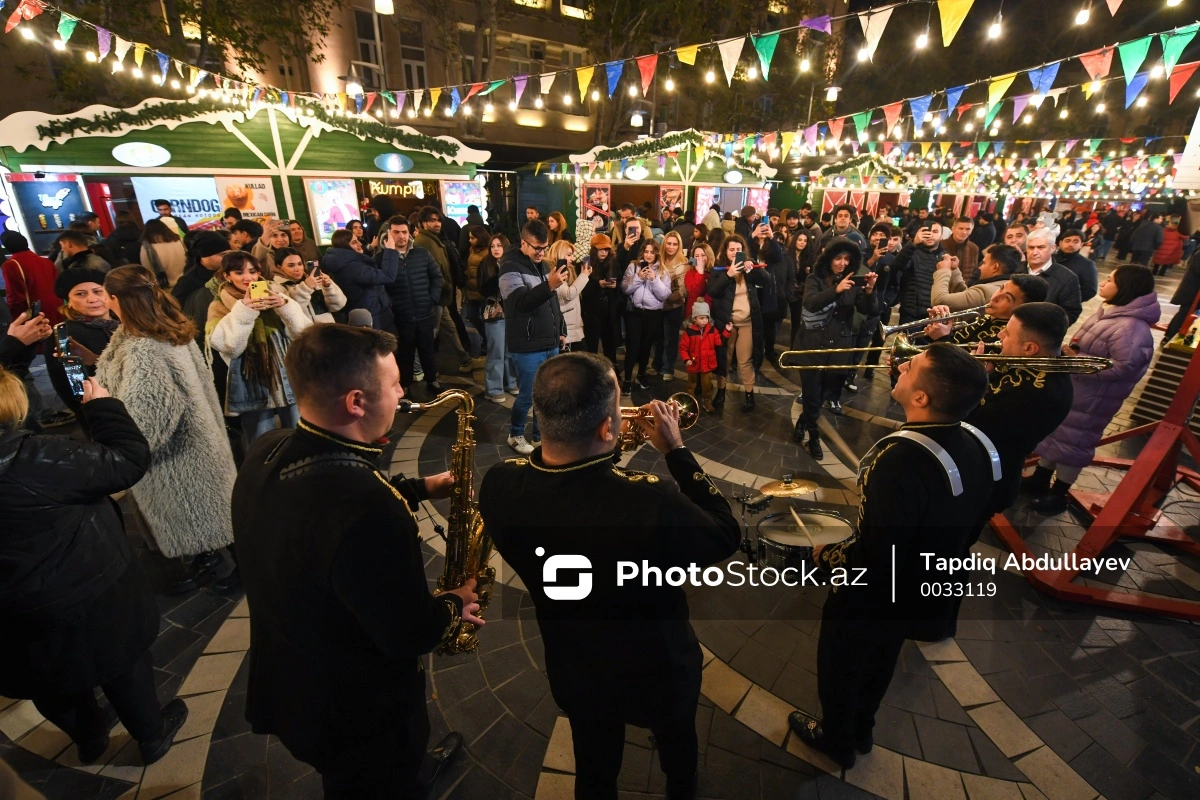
(891, 115)
(835, 128)
(1098, 62)
(1179, 76)
(475, 88)
(961, 109)
(370, 100)
(647, 66)
(27, 10)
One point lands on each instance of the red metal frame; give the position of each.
(1130, 511)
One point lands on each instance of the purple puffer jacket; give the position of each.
(1121, 333)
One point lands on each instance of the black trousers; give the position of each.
(416, 337)
(602, 329)
(856, 657)
(600, 741)
(385, 765)
(644, 329)
(131, 694)
(771, 323)
(1142, 257)
(818, 386)
(796, 308)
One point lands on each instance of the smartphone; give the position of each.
(562, 263)
(739, 259)
(312, 267)
(72, 366)
(259, 290)
(35, 308)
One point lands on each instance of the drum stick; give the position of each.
(803, 527)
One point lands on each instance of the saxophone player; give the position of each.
(340, 609)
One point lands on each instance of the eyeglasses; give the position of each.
(535, 248)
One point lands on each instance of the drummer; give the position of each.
(923, 490)
(1018, 289)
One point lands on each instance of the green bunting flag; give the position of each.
(991, 115)
(1133, 54)
(1174, 43)
(1093, 145)
(765, 47)
(66, 26)
(982, 147)
(493, 86)
(862, 122)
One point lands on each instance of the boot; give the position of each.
(1038, 483)
(798, 432)
(1054, 501)
(719, 398)
(814, 445)
(748, 403)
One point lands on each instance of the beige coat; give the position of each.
(949, 289)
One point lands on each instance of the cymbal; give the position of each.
(788, 487)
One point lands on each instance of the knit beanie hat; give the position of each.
(209, 243)
(700, 309)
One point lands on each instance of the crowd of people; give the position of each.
(185, 355)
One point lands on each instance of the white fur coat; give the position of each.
(169, 391)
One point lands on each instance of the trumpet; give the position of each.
(632, 436)
(902, 350)
(919, 324)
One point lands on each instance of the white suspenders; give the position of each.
(939, 452)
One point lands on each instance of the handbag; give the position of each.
(492, 309)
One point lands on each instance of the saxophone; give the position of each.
(468, 547)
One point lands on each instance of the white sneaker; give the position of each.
(418, 376)
(497, 398)
(667, 377)
(513, 392)
(519, 444)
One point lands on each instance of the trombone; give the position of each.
(919, 324)
(902, 350)
(632, 436)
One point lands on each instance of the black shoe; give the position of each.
(835, 406)
(183, 585)
(800, 398)
(435, 387)
(438, 760)
(206, 562)
(864, 743)
(1038, 483)
(230, 583)
(814, 446)
(89, 752)
(748, 403)
(719, 398)
(627, 388)
(811, 732)
(798, 433)
(1052, 502)
(174, 714)
(640, 383)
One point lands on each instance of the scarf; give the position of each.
(258, 360)
(316, 300)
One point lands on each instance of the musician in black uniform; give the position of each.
(914, 502)
(340, 610)
(1022, 405)
(619, 653)
(1017, 290)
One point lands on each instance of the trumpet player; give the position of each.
(950, 290)
(615, 654)
(1016, 291)
(329, 552)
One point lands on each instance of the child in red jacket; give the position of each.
(698, 348)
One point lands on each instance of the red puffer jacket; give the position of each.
(1170, 252)
(700, 347)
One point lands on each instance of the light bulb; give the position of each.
(465, 109)
(995, 131)
(994, 29)
(354, 88)
(923, 40)
(751, 73)
(429, 111)
(379, 112)
(1141, 102)
(537, 103)
(59, 44)
(90, 56)
(412, 112)
(981, 112)
(595, 95)
(670, 84)
(1028, 118)
(1156, 71)
(863, 53)
(27, 32)
(1083, 16)
(567, 100)
(632, 90)
(710, 76)
(395, 113)
(449, 111)
(512, 105)
(805, 65)
(928, 116)
(1099, 108)
(1063, 114)
(970, 126)
(636, 119)
(174, 84)
(488, 108)
(1173, 3)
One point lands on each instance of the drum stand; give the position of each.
(1130, 512)
(754, 503)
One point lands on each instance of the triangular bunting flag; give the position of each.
(1019, 104)
(547, 81)
(891, 115)
(178, 64)
(810, 136)
(66, 26)
(1180, 76)
(418, 95)
(613, 70)
(835, 128)
(139, 52)
(1093, 145)
(871, 146)
(26, 10)
(687, 55)
(1047, 146)
(1113, 5)
(400, 98)
(887, 147)
(1069, 146)
(1132, 55)
(1098, 63)
(1134, 87)
(991, 115)
(163, 63)
(474, 89)
(822, 24)
(873, 25)
(370, 101)
(861, 123)
(765, 46)
(731, 51)
(925, 148)
(122, 47)
(945, 148)
(953, 12)
(583, 76)
(952, 96)
(963, 108)
(455, 100)
(997, 147)
(518, 87)
(436, 94)
(919, 107)
(1043, 77)
(787, 139)
(193, 73)
(493, 86)
(997, 88)
(982, 147)
(358, 101)
(905, 147)
(1173, 44)
(647, 66)
(104, 45)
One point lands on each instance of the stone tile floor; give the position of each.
(1033, 694)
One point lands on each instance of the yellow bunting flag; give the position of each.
(945, 147)
(953, 12)
(584, 76)
(925, 148)
(192, 73)
(786, 147)
(139, 52)
(434, 94)
(998, 87)
(687, 55)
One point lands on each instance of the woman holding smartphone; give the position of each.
(87, 328)
(251, 327)
(561, 254)
(647, 285)
(675, 263)
(736, 311)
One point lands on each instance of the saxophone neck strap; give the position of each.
(953, 476)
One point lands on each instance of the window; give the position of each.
(537, 51)
(367, 49)
(572, 58)
(576, 9)
(538, 4)
(466, 43)
(412, 53)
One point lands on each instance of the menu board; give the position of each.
(48, 205)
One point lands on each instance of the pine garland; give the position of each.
(651, 147)
(857, 163)
(115, 121)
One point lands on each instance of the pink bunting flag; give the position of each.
(891, 115)
(810, 136)
(1098, 62)
(835, 128)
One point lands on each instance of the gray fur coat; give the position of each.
(168, 390)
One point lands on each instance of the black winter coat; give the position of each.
(93, 337)
(721, 288)
(364, 283)
(773, 297)
(125, 244)
(416, 293)
(75, 608)
(820, 292)
(915, 266)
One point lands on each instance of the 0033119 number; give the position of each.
(955, 589)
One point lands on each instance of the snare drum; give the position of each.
(781, 543)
